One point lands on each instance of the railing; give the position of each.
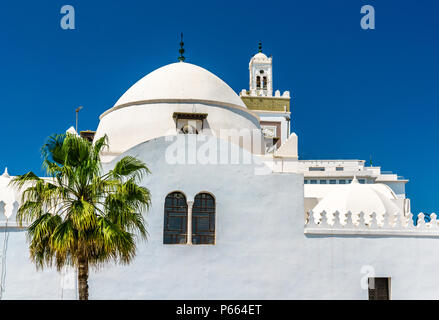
(371, 224)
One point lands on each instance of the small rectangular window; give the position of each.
(305, 181)
(379, 288)
(339, 168)
(313, 181)
(332, 181)
(316, 169)
(342, 181)
(362, 181)
(322, 181)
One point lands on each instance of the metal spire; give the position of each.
(260, 46)
(181, 58)
(77, 110)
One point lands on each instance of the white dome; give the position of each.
(384, 189)
(180, 82)
(146, 111)
(356, 198)
(260, 56)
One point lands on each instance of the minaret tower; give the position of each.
(273, 110)
(261, 74)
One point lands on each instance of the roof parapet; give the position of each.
(370, 224)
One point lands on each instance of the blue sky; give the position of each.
(355, 92)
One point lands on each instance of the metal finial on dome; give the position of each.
(260, 46)
(181, 58)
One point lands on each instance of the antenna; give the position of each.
(77, 111)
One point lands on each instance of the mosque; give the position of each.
(236, 214)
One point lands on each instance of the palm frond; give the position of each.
(129, 167)
(78, 213)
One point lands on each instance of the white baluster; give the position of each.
(324, 223)
(433, 222)
(421, 221)
(349, 220)
(317, 217)
(373, 221)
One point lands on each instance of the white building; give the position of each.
(235, 214)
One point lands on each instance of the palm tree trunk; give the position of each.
(83, 279)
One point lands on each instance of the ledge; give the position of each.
(370, 224)
(374, 232)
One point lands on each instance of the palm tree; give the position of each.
(79, 216)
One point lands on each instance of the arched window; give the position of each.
(175, 224)
(203, 219)
(258, 82)
(188, 129)
(264, 83)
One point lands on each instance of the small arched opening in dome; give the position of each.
(188, 129)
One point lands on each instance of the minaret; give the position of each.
(261, 74)
(273, 110)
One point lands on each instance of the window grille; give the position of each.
(175, 224)
(203, 219)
